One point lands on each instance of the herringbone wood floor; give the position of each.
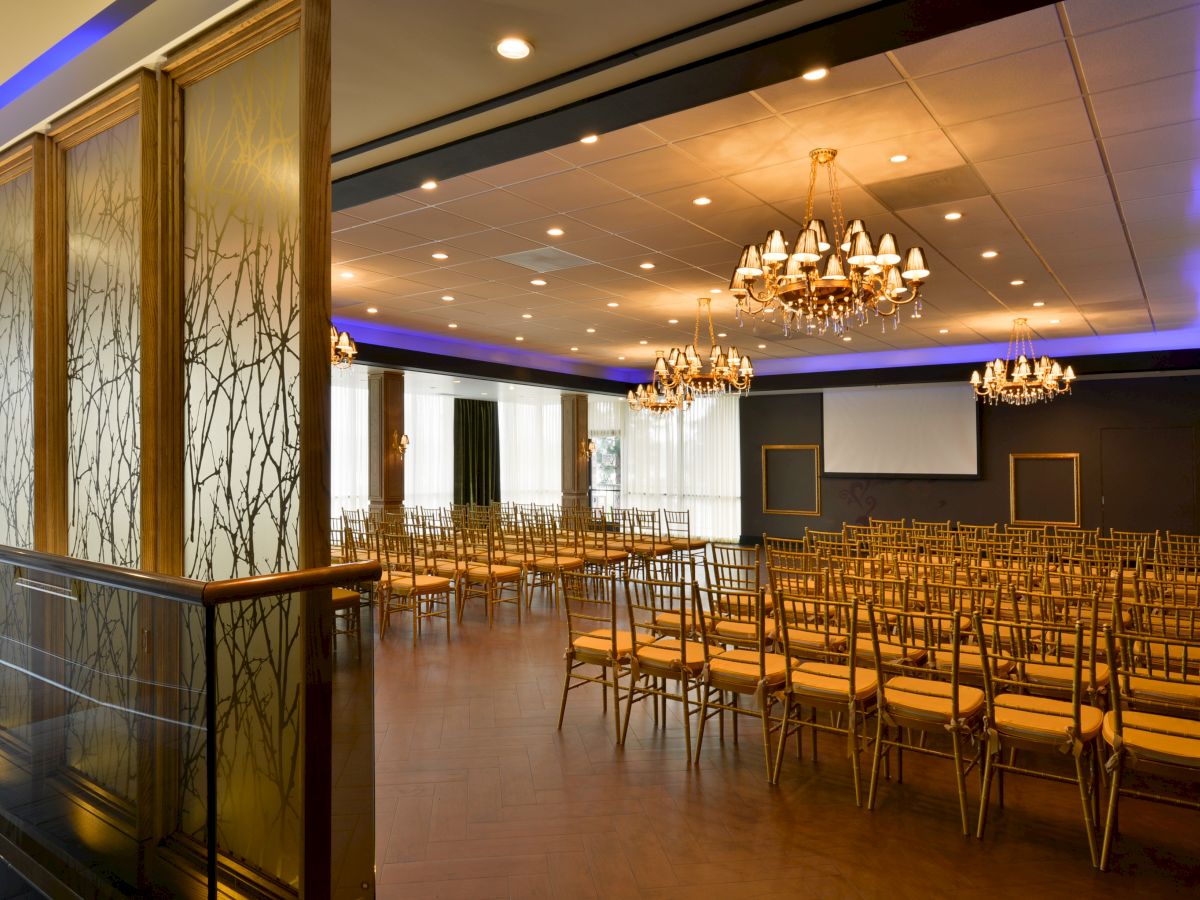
(479, 796)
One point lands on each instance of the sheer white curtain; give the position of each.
(429, 460)
(531, 448)
(679, 461)
(348, 486)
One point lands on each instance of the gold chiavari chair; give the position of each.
(602, 546)
(659, 660)
(926, 701)
(733, 566)
(593, 639)
(677, 530)
(1152, 727)
(738, 660)
(407, 586)
(647, 540)
(671, 570)
(482, 574)
(1020, 721)
(824, 679)
(887, 594)
(785, 545)
(555, 548)
(1048, 678)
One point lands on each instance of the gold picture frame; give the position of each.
(1013, 459)
(816, 454)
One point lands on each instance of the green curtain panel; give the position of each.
(476, 452)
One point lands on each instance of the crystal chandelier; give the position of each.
(684, 367)
(1025, 381)
(658, 398)
(342, 348)
(805, 288)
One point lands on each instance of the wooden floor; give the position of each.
(478, 795)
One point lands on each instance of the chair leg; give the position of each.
(633, 680)
(1110, 818)
(875, 756)
(985, 790)
(562, 708)
(616, 670)
(685, 688)
(853, 743)
(961, 781)
(783, 737)
(703, 718)
(764, 710)
(1085, 791)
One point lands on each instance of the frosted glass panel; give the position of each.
(241, 316)
(104, 345)
(16, 349)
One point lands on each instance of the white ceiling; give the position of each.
(1079, 120)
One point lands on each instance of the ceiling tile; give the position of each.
(724, 194)
(1001, 85)
(751, 146)
(736, 110)
(1052, 198)
(1042, 167)
(567, 191)
(432, 224)
(1025, 130)
(610, 145)
(862, 118)
(1149, 104)
(1140, 51)
(652, 170)
(383, 208)
(617, 217)
(927, 151)
(842, 81)
(379, 238)
(1093, 15)
(1155, 146)
(523, 169)
(669, 237)
(497, 208)
(1155, 181)
(988, 41)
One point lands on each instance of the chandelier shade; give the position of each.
(1022, 378)
(342, 349)
(799, 289)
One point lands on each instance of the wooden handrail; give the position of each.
(217, 592)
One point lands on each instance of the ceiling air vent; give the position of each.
(545, 259)
(943, 186)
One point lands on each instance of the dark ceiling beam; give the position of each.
(851, 36)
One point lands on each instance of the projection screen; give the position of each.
(909, 430)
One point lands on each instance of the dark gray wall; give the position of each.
(1157, 479)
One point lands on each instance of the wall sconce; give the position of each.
(399, 443)
(587, 448)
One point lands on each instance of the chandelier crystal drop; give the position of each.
(342, 348)
(831, 277)
(684, 367)
(659, 399)
(1022, 378)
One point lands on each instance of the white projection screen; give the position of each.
(912, 430)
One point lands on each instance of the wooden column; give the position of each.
(576, 467)
(385, 425)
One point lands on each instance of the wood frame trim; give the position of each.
(229, 41)
(1012, 489)
(816, 449)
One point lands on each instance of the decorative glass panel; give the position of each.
(16, 348)
(242, 316)
(104, 345)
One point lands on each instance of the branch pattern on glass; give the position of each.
(16, 376)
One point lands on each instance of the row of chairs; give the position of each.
(989, 670)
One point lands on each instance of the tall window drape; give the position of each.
(679, 461)
(429, 461)
(476, 452)
(531, 448)
(349, 440)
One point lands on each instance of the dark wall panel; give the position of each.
(1068, 425)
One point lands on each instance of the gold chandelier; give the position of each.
(683, 366)
(807, 289)
(342, 348)
(658, 398)
(1021, 378)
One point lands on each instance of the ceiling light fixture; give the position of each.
(1017, 282)
(526, 316)
(952, 216)
(682, 368)
(672, 321)
(346, 275)
(538, 282)
(815, 74)
(371, 310)
(589, 139)
(702, 201)
(1039, 303)
(1055, 321)
(943, 331)
(429, 184)
(514, 48)
(827, 281)
(342, 348)
(591, 331)
(447, 297)
(847, 338)
(643, 343)
(519, 338)
(574, 349)
(554, 232)
(452, 325)
(899, 158)
(646, 265)
(1021, 378)
(612, 305)
(989, 254)
(441, 255)
(762, 346)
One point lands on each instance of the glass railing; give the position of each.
(160, 736)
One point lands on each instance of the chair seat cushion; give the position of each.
(1155, 738)
(684, 543)
(668, 653)
(890, 651)
(970, 661)
(553, 563)
(740, 631)
(658, 548)
(740, 667)
(608, 556)
(1059, 675)
(830, 681)
(926, 700)
(1178, 692)
(667, 621)
(495, 572)
(600, 643)
(1043, 719)
(406, 583)
(814, 639)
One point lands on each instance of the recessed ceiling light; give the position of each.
(702, 201)
(371, 310)
(952, 216)
(428, 184)
(646, 265)
(643, 342)
(1039, 303)
(613, 305)
(447, 297)
(1054, 321)
(620, 357)
(457, 381)
(847, 338)
(989, 254)
(554, 232)
(1017, 282)
(899, 158)
(452, 325)
(538, 282)
(589, 139)
(526, 315)
(591, 331)
(519, 338)
(722, 334)
(512, 387)
(815, 74)
(574, 349)
(672, 321)
(943, 331)
(441, 255)
(514, 48)
(715, 291)
(346, 275)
